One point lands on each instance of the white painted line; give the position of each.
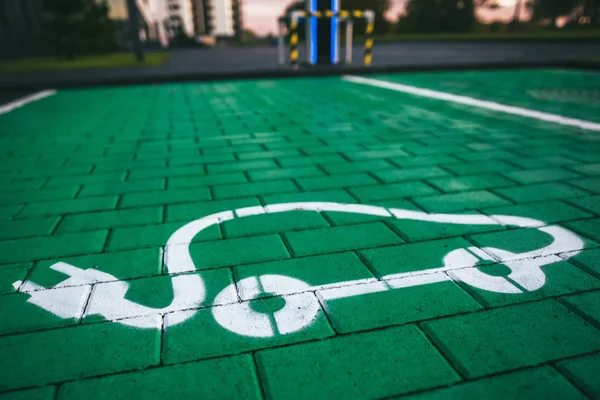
(25, 100)
(470, 101)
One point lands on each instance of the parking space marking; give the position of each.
(470, 101)
(25, 100)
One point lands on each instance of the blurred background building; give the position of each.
(222, 19)
(21, 22)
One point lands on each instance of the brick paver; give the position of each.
(262, 303)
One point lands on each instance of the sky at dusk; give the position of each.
(261, 15)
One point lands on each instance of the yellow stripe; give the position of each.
(369, 44)
(357, 13)
(317, 14)
(294, 55)
(329, 13)
(370, 28)
(344, 14)
(293, 25)
(368, 59)
(294, 39)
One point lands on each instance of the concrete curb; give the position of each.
(132, 79)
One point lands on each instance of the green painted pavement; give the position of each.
(583, 371)
(368, 365)
(105, 195)
(226, 378)
(542, 382)
(477, 347)
(574, 93)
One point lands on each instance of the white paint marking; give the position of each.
(249, 211)
(301, 309)
(470, 101)
(5, 109)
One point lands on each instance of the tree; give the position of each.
(73, 27)
(440, 15)
(552, 9)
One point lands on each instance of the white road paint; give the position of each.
(232, 307)
(6, 108)
(471, 101)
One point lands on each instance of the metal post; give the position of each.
(280, 43)
(349, 32)
(370, 17)
(294, 38)
(134, 27)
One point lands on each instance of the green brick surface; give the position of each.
(334, 182)
(587, 169)
(401, 306)
(241, 166)
(194, 181)
(470, 182)
(45, 393)
(342, 238)
(586, 305)
(562, 278)
(254, 189)
(33, 318)
(589, 228)
(201, 337)
(375, 154)
(409, 174)
(583, 371)
(7, 212)
(362, 166)
(226, 378)
(546, 212)
(479, 167)
(83, 179)
(586, 260)
(111, 219)
(541, 175)
(356, 366)
(315, 270)
(153, 236)
(53, 246)
(461, 201)
(411, 257)
(12, 273)
(541, 382)
(28, 227)
(60, 207)
(392, 191)
(591, 203)
(65, 356)
(408, 162)
(121, 265)
(274, 223)
(38, 195)
(471, 340)
(320, 159)
(192, 211)
(540, 192)
(524, 240)
(102, 178)
(164, 197)
(284, 173)
(589, 184)
(239, 251)
(146, 173)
